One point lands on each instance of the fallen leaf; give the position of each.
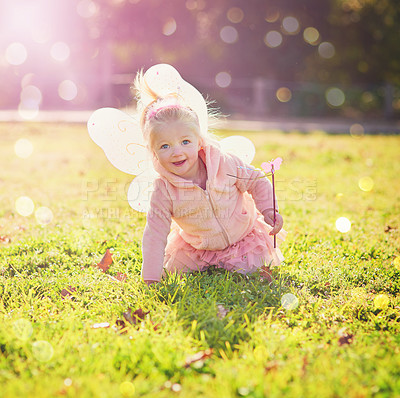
(265, 273)
(68, 292)
(199, 356)
(388, 228)
(122, 326)
(344, 337)
(5, 239)
(121, 277)
(105, 262)
(135, 316)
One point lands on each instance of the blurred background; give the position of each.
(255, 58)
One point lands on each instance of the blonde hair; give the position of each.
(161, 110)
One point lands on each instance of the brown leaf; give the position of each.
(68, 292)
(106, 261)
(265, 273)
(388, 228)
(5, 239)
(346, 339)
(133, 317)
(121, 277)
(122, 325)
(199, 356)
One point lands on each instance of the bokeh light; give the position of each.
(326, 50)
(28, 110)
(42, 350)
(311, 35)
(229, 34)
(272, 14)
(86, 8)
(60, 51)
(22, 329)
(291, 25)
(273, 39)
(366, 184)
(283, 94)
(31, 94)
(127, 389)
(23, 148)
(67, 90)
(235, 15)
(289, 301)
(16, 54)
(169, 27)
(223, 79)
(24, 206)
(381, 302)
(357, 130)
(44, 215)
(343, 224)
(335, 96)
(396, 263)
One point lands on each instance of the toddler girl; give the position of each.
(208, 207)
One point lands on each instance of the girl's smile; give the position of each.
(176, 147)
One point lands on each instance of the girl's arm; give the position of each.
(156, 233)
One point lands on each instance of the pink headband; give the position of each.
(153, 112)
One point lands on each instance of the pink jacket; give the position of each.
(210, 219)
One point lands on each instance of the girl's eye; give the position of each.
(164, 146)
(185, 142)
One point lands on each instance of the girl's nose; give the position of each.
(176, 150)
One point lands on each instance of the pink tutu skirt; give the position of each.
(245, 256)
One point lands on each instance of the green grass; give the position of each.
(336, 343)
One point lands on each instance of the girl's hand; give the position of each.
(269, 219)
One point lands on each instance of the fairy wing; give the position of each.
(240, 146)
(120, 137)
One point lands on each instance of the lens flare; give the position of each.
(223, 79)
(366, 184)
(127, 389)
(24, 206)
(326, 50)
(283, 94)
(22, 329)
(235, 15)
(42, 350)
(311, 35)
(60, 51)
(16, 54)
(67, 90)
(169, 27)
(273, 39)
(44, 215)
(289, 301)
(335, 97)
(343, 224)
(291, 25)
(229, 34)
(356, 130)
(23, 148)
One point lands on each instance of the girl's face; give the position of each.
(176, 147)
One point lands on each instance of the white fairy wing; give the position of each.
(140, 190)
(240, 146)
(120, 137)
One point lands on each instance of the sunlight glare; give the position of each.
(67, 90)
(343, 224)
(291, 25)
(169, 27)
(16, 54)
(366, 184)
(223, 79)
(60, 51)
(283, 94)
(229, 34)
(24, 206)
(289, 301)
(42, 350)
(44, 215)
(23, 148)
(273, 39)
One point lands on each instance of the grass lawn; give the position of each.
(69, 329)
